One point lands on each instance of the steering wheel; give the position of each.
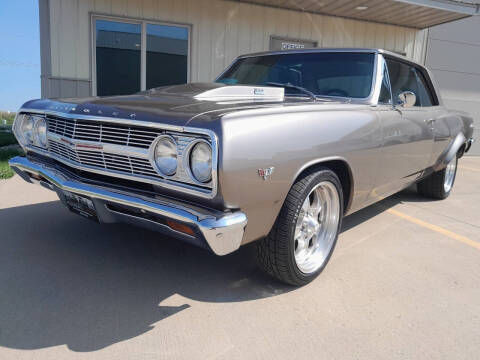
(337, 92)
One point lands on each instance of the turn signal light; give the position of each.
(180, 227)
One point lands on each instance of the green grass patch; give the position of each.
(7, 138)
(7, 116)
(5, 155)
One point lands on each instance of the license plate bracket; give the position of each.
(81, 205)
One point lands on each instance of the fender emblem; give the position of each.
(266, 173)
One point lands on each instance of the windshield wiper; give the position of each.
(290, 86)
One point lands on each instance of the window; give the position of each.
(405, 77)
(167, 55)
(385, 94)
(131, 56)
(340, 74)
(117, 57)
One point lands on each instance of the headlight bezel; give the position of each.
(188, 165)
(34, 138)
(22, 133)
(153, 150)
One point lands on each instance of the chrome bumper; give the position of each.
(223, 232)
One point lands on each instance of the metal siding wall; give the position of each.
(221, 30)
(453, 54)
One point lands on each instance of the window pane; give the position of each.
(167, 55)
(423, 92)
(117, 57)
(403, 78)
(385, 95)
(323, 73)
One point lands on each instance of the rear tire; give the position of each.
(305, 233)
(439, 184)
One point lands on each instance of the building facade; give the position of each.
(102, 47)
(110, 47)
(453, 54)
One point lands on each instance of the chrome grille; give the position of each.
(120, 149)
(87, 130)
(128, 164)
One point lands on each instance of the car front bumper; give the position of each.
(221, 232)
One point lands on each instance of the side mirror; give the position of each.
(407, 99)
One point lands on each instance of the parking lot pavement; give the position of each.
(403, 283)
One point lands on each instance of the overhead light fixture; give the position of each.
(361, 8)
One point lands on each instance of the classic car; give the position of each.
(277, 150)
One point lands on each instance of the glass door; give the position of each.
(167, 55)
(117, 57)
(135, 55)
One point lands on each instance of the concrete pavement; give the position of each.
(403, 283)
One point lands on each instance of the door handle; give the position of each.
(430, 121)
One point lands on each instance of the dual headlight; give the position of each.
(31, 130)
(198, 158)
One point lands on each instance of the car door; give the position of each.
(407, 136)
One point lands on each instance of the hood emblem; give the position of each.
(266, 173)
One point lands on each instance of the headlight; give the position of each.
(31, 130)
(26, 129)
(165, 155)
(40, 133)
(200, 160)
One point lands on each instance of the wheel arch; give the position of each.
(451, 151)
(341, 168)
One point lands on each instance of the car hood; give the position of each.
(173, 105)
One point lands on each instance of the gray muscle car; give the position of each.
(277, 150)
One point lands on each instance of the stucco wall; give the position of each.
(453, 53)
(221, 30)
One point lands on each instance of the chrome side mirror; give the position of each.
(407, 99)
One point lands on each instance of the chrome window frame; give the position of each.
(165, 182)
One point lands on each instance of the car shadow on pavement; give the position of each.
(406, 196)
(67, 280)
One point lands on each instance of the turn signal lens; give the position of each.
(180, 227)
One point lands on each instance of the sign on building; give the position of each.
(282, 43)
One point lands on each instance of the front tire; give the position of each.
(439, 184)
(304, 235)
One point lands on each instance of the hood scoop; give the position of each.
(242, 92)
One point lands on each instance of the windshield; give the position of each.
(342, 74)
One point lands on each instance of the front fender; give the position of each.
(288, 142)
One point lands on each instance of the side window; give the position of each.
(385, 94)
(426, 98)
(405, 77)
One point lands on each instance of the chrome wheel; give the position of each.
(450, 171)
(316, 227)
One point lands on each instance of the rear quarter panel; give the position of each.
(290, 140)
(451, 129)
